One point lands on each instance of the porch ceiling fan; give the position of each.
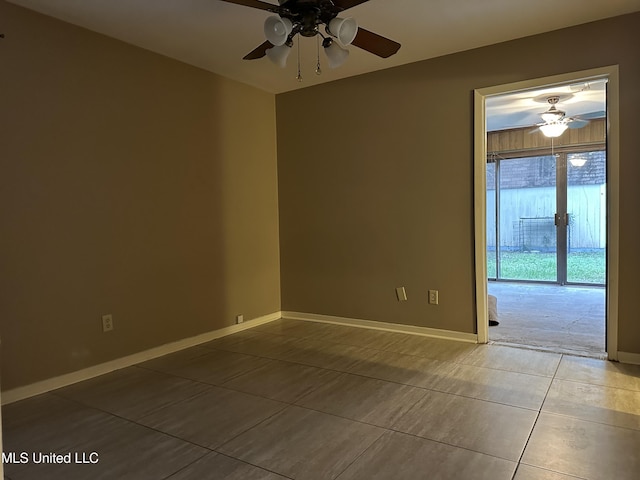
(306, 17)
(555, 121)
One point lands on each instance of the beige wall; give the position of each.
(131, 184)
(376, 179)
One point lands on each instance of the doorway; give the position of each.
(551, 219)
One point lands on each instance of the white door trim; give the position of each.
(613, 189)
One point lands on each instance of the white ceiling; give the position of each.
(215, 35)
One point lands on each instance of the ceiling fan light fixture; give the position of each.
(553, 129)
(577, 161)
(291, 18)
(552, 115)
(336, 55)
(344, 29)
(279, 54)
(277, 29)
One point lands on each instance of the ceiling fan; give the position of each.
(555, 121)
(305, 17)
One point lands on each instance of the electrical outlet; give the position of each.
(433, 297)
(239, 319)
(401, 293)
(107, 323)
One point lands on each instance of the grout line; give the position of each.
(535, 422)
(294, 404)
(452, 445)
(552, 350)
(266, 419)
(153, 411)
(153, 429)
(187, 466)
(388, 380)
(386, 429)
(135, 422)
(458, 361)
(252, 464)
(600, 385)
(586, 420)
(391, 429)
(568, 475)
(357, 457)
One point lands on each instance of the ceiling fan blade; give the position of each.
(577, 123)
(258, 52)
(254, 4)
(374, 43)
(345, 4)
(592, 115)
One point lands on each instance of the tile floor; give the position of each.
(304, 400)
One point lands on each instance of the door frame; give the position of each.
(613, 201)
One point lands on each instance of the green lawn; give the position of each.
(582, 267)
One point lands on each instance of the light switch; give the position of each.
(401, 294)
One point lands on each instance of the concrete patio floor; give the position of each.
(563, 319)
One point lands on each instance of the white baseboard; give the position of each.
(50, 384)
(632, 358)
(388, 327)
(44, 386)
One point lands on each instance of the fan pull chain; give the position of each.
(318, 69)
(299, 76)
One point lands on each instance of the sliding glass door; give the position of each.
(546, 218)
(587, 208)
